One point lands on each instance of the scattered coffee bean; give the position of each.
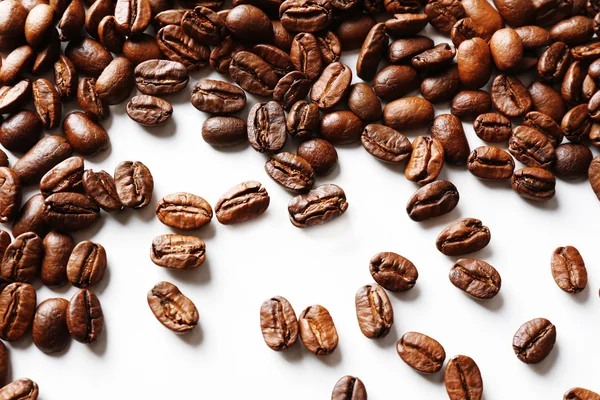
(332, 86)
(349, 388)
(488, 162)
(363, 102)
(448, 130)
(462, 237)
(372, 51)
(218, 97)
(474, 61)
(253, 74)
(266, 127)
(317, 330)
(568, 269)
(85, 319)
(469, 104)
(85, 135)
(534, 340)
(177, 46)
(57, 250)
(149, 110)
(291, 88)
(580, 394)
(23, 258)
(184, 211)
(492, 127)
(385, 143)
(23, 388)
(12, 98)
(17, 307)
(533, 183)
(572, 160)
(426, 160)
(50, 332)
(66, 176)
(374, 311)
(303, 119)
(341, 127)
(242, 203)
(178, 251)
(31, 217)
(224, 131)
(172, 308)
(88, 56)
(577, 123)
(134, 184)
(421, 352)
(278, 323)
(70, 211)
(87, 264)
(10, 194)
(476, 278)
(291, 171)
(531, 147)
(318, 206)
(408, 113)
(306, 55)
(463, 379)
(510, 97)
(160, 77)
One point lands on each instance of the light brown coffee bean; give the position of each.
(476, 278)
(184, 211)
(374, 311)
(421, 352)
(317, 330)
(178, 251)
(568, 269)
(278, 323)
(172, 308)
(426, 160)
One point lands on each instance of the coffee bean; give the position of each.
(97, 11)
(421, 352)
(85, 136)
(47, 103)
(372, 52)
(149, 110)
(305, 15)
(510, 96)
(470, 104)
(534, 340)
(488, 162)
(224, 131)
(462, 237)
(88, 56)
(476, 278)
(588, 88)
(353, 31)
(507, 49)
(64, 177)
(253, 74)
(474, 63)
(266, 127)
(571, 88)
(16, 64)
(463, 379)
(533, 37)
(12, 98)
(65, 76)
(218, 97)
(580, 394)
(48, 152)
(70, 211)
(12, 22)
(554, 62)
(572, 160)
(466, 29)
(282, 38)
(444, 14)
(169, 17)
(17, 307)
(395, 81)
(547, 100)
(278, 323)
(203, 25)
(374, 311)
(408, 113)
(568, 269)
(140, 48)
(432, 200)
(426, 160)
(23, 388)
(87, 264)
(586, 52)
(533, 183)
(47, 55)
(576, 124)
(134, 184)
(221, 54)
(177, 46)
(544, 124)
(10, 194)
(50, 332)
(23, 258)
(448, 130)
(277, 59)
(38, 25)
(291, 89)
(531, 147)
(363, 102)
(385, 143)
(21, 131)
(306, 55)
(242, 203)
(85, 319)
(109, 35)
(291, 171)
(116, 81)
(31, 217)
(404, 25)
(318, 206)
(403, 50)
(442, 86)
(178, 251)
(573, 31)
(320, 154)
(161, 77)
(332, 86)
(492, 127)
(317, 330)
(438, 57)
(57, 249)
(4, 365)
(250, 24)
(90, 101)
(341, 127)
(595, 134)
(184, 211)
(349, 388)
(172, 308)
(100, 187)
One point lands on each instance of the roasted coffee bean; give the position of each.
(393, 272)
(64, 177)
(16, 64)
(395, 81)
(10, 194)
(403, 50)
(204, 25)
(580, 394)
(12, 20)
(594, 107)
(90, 101)
(70, 211)
(31, 217)
(85, 136)
(595, 134)
(250, 24)
(85, 319)
(224, 131)
(12, 98)
(576, 124)
(466, 29)
(489, 162)
(476, 278)
(404, 25)
(443, 15)
(160, 77)
(221, 54)
(65, 76)
(544, 124)
(534, 340)
(47, 55)
(278, 323)
(573, 31)
(572, 161)
(432, 200)
(408, 113)
(426, 160)
(462, 237)
(510, 96)
(172, 308)
(320, 154)
(17, 307)
(178, 251)
(47, 103)
(353, 31)
(291, 171)
(547, 100)
(533, 183)
(448, 130)
(463, 378)
(303, 119)
(116, 81)
(305, 15)
(23, 258)
(242, 203)
(492, 127)
(21, 131)
(177, 46)
(253, 74)
(218, 97)
(291, 89)
(109, 35)
(474, 61)
(277, 59)
(421, 352)
(149, 110)
(372, 51)
(134, 184)
(48, 152)
(57, 250)
(586, 52)
(282, 38)
(317, 330)
(438, 57)
(401, 6)
(506, 47)
(533, 37)
(169, 17)
(38, 25)
(4, 365)
(568, 269)
(442, 86)
(332, 86)
(266, 127)
(483, 13)
(531, 147)
(588, 88)
(184, 211)
(88, 56)
(100, 187)
(469, 104)
(341, 127)
(374, 311)
(318, 206)
(385, 143)
(97, 11)
(87, 264)
(306, 55)
(50, 332)
(23, 388)
(349, 388)
(140, 48)
(363, 102)
(4, 243)
(554, 62)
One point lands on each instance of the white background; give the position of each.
(225, 356)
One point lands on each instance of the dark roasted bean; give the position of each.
(49, 331)
(534, 340)
(349, 388)
(395, 81)
(85, 135)
(448, 130)
(48, 152)
(64, 177)
(374, 311)
(443, 15)
(218, 97)
(70, 211)
(489, 162)
(203, 25)
(12, 98)
(22, 389)
(533, 183)
(332, 86)
(432, 200)
(476, 278)
(393, 272)
(88, 56)
(224, 131)
(21, 131)
(320, 154)
(177, 46)
(85, 319)
(149, 110)
(291, 89)
(57, 250)
(87, 264)
(47, 103)
(341, 127)
(462, 237)
(10, 194)
(161, 77)
(385, 143)
(178, 251)
(372, 52)
(306, 55)
(101, 188)
(305, 15)
(318, 206)
(278, 323)
(90, 101)
(492, 127)
(253, 74)
(17, 307)
(242, 203)
(421, 352)
(266, 127)
(531, 147)
(184, 211)
(469, 104)
(23, 258)
(291, 171)
(576, 124)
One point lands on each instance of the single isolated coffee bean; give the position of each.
(374, 311)
(580, 394)
(149, 110)
(23, 258)
(544, 124)
(85, 319)
(488, 162)
(10, 194)
(134, 184)
(426, 160)
(476, 278)
(462, 379)
(87, 264)
(178, 251)
(242, 203)
(531, 147)
(172, 308)
(184, 211)
(100, 187)
(469, 104)
(568, 269)
(50, 332)
(510, 97)
(31, 217)
(85, 135)
(320, 154)
(363, 102)
(224, 131)
(266, 127)
(218, 97)
(349, 388)
(291, 171)
(303, 119)
(66, 176)
(317, 330)
(57, 250)
(160, 77)
(462, 237)
(534, 183)
(17, 307)
(421, 352)
(278, 323)
(318, 206)
(572, 160)
(341, 127)
(393, 272)
(386, 143)
(23, 388)
(70, 211)
(408, 113)
(448, 130)
(432, 200)
(492, 127)
(534, 340)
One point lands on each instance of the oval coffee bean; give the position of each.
(463, 379)
(277, 59)
(31, 217)
(161, 77)
(100, 187)
(554, 62)
(534, 340)
(50, 332)
(47, 103)
(138, 49)
(474, 61)
(87, 264)
(278, 323)
(317, 330)
(510, 97)
(23, 388)
(116, 80)
(476, 278)
(85, 136)
(218, 97)
(224, 131)
(177, 46)
(90, 101)
(353, 31)
(544, 124)
(134, 184)
(572, 160)
(85, 319)
(184, 211)
(385, 143)
(408, 113)
(469, 104)
(531, 147)
(249, 23)
(57, 250)
(547, 100)
(66, 176)
(17, 63)
(109, 35)
(374, 311)
(507, 49)
(492, 127)
(88, 56)
(349, 388)
(291, 171)
(568, 269)
(303, 119)
(23, 258)
(581, 394)
(488, 162)
(341, 127)
(438, 57)
(421, 352)
(17, 307)
(21, 131)
(577, 123)
(178, 251)
(203, 25)
(291, 89)
(149, 110)
(441, 86)
(242, 203)
(363, 102)
(70, 211)
(266, 127)
(372, 51)
(65, 76)
(10, 194)
(403, 50)
(172, 308)
(533, 183)
(462, 237)
(393, 272)
(253, 74)
(332, 86)
(320, 154)
(305, 15)
(432, 200)
(306, 55)
(12, 98)
(426, 160)
(318, 206)
(395, 81)
(448, 130)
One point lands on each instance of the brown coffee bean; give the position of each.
(277, 59)
(484, 14)
(86, 136)
(224, 131)
(349, 388)
(87, 264)
(395, 81)
(385, 143)
(30, 217)
(474, 61)
(242, 203)
(48, 152)
(149, 110)
(448, 130)
(466, 29)
(489, 162)
(90, 101)
(372, 51)
(16, 64)
(266, 127)
(547, 100)
(203, 25)
(426, 160)
(291, 89)
(374, 311)
(438, 57)
(177, 46)
(184, 211)
(492, 127)
(594, 107)
(320, 154)
(533, 183)
(70, 211)
(393, 272)
(463, 378)
(38, 25)
(160, 77)
(317, 330)
(510, 96)
(533, 37)
(588, 88)
(571, 88)
(408, 113)
(405, 25)
(353, 31)
(305, 15)
(134, 184)
(282, 38)
(251, 24)
(432, 200)
(133, 16)
(169, 17)
(363, 102)
(47, 103)
(65, 76)
(531, 147)
(64, 177)
(442, 86)
(12, 21)
(306, 55)
(403, 50)
(303, 119)
(341, 127)
(291, 171)
(476, 278)
(580, 394)
(178, 251)
(506, 47)
(116, 81)
(4, 365)
(278, 323)
(572, 161)
(172, 308)
(140, 48)
(85, 319)
(100, 187)
(50, 332)
(12, 98)
(534, 340)
(10, 194)
(444, 14)
(595, 134)
(17, 307)
(544, 124)
(576, 124)
(568, 269)
(462, 237)
(98, 10)
(253, 74)
(57, 250)
(88, 56)
(109, 35)
(421, 352)
(332, 86)
(318, 206)
(221, 54)
(469, 104)
(218, 97)
(21, 131)
(23, 258)
(573, 31)
(23, 388)
(554, 62)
